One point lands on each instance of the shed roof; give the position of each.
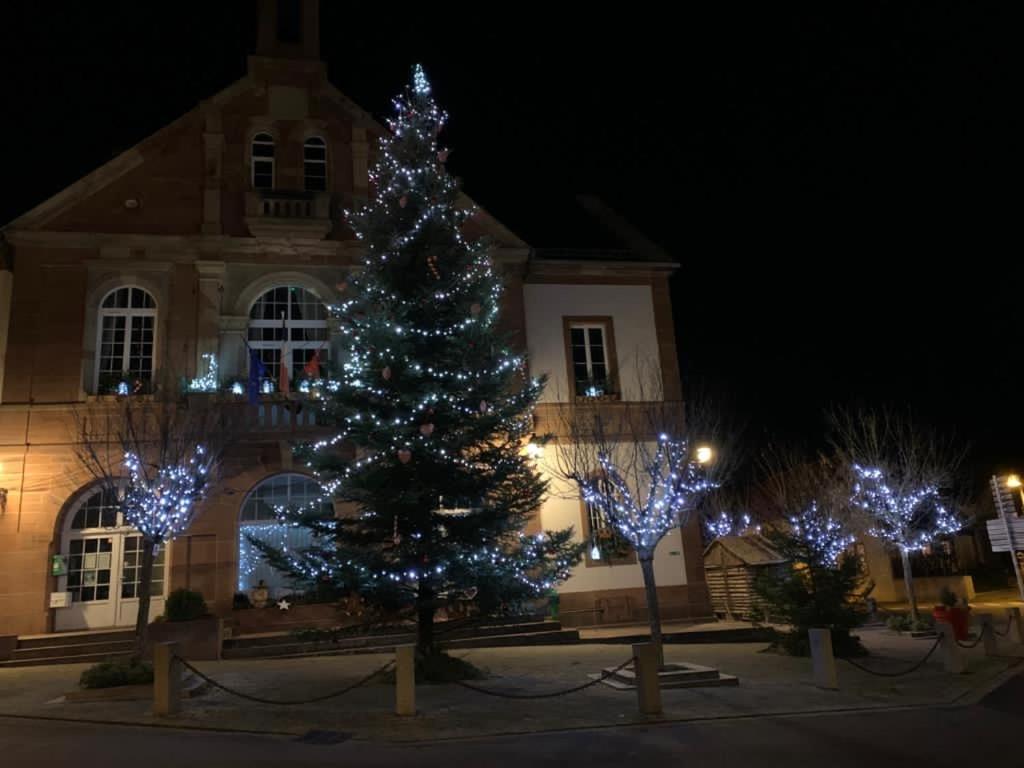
(751, 550)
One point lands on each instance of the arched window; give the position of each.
(314, 164)
(127, 334)
(263, 161)
(288, 322)
(101, 559)
(258, 519)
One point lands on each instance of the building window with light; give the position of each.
(127, 337)
(314, 164)
(263, 161)
(259, 519)
(590, 352)
(289, 322)
(605, 544)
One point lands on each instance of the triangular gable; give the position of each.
(118, 167)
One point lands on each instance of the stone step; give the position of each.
(684, 675)
(74, 638)
(86, 658)
(43, 652)
(557, 637)
(721, 680)
(386, 644)
(442, 633)
(671, 673)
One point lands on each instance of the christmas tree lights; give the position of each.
(430, 401)
(824, 539)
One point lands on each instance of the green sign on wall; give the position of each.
(58, 565)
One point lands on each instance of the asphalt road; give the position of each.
(989, 733)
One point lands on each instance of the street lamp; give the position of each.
(704, 454)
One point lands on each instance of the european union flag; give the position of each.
(257, 371)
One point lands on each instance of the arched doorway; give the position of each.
(258, 519)
(102, 561)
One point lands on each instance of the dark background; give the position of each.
(840, 189)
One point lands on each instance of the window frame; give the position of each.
(306, 162)
(606, 324)
(588, 539)
(273, 346)
(129, 313)
(263, 138)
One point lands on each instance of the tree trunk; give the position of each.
(425, 619)
(653, 612)
(145, 582)
(908, 583)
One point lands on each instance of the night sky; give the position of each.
(841, 190)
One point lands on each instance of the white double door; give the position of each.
(102, 575)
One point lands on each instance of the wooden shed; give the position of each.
(731, 563)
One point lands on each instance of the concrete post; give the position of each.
(1016, 631)
(405, 680)
(646, 666)
(952, 656)
(823, 660)
(988, 636)
(166, 679)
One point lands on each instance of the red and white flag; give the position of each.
(284, 385)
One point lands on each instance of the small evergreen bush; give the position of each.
(184, 605)
(108, 674)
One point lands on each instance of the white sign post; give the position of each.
(1009, 529)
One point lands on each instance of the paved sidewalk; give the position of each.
(769, 684)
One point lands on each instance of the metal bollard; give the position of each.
(166, 679)
(646, 666)
(952, 656)
(987, 628)
(405, 680)
(1016, 631)
(823, 660)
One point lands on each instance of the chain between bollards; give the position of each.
(286, 703)
(553, 694)
(879, 673)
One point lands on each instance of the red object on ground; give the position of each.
(957, 617)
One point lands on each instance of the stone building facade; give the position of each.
(192, 243)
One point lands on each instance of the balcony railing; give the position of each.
(282, 212)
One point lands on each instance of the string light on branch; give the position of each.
(908, 517)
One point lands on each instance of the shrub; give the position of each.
(811, 591)
(184, 605)
(901, 623)
(108, 674)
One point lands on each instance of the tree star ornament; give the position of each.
(283, 605)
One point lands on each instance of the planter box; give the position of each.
(199, 639)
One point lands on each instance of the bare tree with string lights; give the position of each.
(646, 466)
(903, 476)
(157, 456)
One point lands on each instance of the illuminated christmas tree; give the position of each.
(433, 409)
